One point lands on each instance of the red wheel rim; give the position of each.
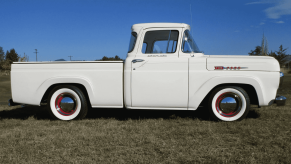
(66, 104)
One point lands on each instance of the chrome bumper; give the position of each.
(280, 100)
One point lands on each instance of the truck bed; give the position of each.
(103, 80)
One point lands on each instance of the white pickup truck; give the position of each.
(164, 70)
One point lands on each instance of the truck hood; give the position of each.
(245, 63)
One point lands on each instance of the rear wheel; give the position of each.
(229, 103)
(67, 103)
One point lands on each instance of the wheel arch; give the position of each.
(45, 97)
(251, 85)
(46, 87)
(251, 91)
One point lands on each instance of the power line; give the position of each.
(70, 58)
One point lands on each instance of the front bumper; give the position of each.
(280, 100)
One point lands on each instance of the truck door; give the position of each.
(159, 77)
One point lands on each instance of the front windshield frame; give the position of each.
(132, 42)
(190, 43)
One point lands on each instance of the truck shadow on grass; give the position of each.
(41, 113)
(124, 114)
(23, 113)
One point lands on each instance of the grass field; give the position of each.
(27, 135)
(5, 91)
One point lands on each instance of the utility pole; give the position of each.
(70, 57)
(36, 53)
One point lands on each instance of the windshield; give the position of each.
(189, 45)
(132, 41)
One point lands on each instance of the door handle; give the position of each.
(137, 60)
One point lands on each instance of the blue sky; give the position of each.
(91, 29)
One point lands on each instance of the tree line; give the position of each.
(281, 55)
(6, 59)
(105, 58)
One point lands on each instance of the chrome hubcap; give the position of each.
(66, 104)
(228, 104)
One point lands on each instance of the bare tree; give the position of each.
(264, 46)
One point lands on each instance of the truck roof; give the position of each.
(136, 27)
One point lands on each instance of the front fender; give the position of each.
(196, 97)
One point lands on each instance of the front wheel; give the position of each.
(67, 103)
(229, 103)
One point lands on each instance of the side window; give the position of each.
(160, 46)
(172, 46)
(160, 41)
(144, 47)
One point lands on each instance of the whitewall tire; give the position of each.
(229, 103)
(67, 103)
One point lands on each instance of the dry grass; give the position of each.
(5, 91)
(27, 135)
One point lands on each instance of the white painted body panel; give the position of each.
(102, 80)
(248, 63)
(177, 81)
(159, 82)
(202, 81)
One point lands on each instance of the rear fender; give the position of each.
(60, 80)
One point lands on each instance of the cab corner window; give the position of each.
(160, 41)
(132, 41)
